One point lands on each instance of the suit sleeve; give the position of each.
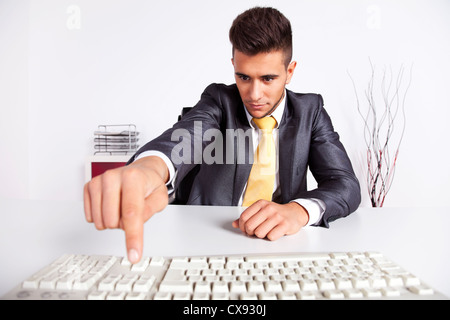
(337, 185)
(186, 134)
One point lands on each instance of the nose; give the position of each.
(256, 92)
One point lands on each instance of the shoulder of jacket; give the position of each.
(305, 100)
(221, 93)
(221, 88)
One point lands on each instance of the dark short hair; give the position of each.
(262, 30)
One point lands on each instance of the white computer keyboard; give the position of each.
(351, 275)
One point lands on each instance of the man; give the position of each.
(302, 136)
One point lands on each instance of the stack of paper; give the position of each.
(113, 139)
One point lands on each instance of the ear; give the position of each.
(232, 61)
(290, 71)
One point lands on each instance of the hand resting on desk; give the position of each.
(266, 219)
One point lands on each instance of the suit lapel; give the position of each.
(241, 145)
(287, 142)
(286, 158)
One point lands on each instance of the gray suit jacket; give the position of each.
(306, 138)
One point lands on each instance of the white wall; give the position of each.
(68, 66)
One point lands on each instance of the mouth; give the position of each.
(256, 106)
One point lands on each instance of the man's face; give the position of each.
(261, 80)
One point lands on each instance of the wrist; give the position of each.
(302, 213)
(155, 164)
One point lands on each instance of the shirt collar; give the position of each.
(277, 113)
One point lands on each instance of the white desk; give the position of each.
(34, 233)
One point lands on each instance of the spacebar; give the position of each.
(288, 257)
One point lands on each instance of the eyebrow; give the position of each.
(263, 76)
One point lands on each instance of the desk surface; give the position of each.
(34, 233)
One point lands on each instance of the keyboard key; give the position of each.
(355, 255)
(125, 262)
(343, 283)
(232, 265)
(141, 265)
(144, 284)
(255, 287)
(175, 286)
(198, 259)
(373, 254)
(246, 265)
(394, 281)
(325, 284)
(262, 265)
(181, 296)
(290, 286)
(160, 295)
(277, 264)
(220, 296)
(306, 264)
(333, 294)
(116, 295)
(255, 272)
(97, 295)
(287, 296)
(267, 296)
(49, 282)
(421, 290)
(271, 271)
(249, 296)
(157, 262)
(65, 283)
(124, 285)
(220, 287)
(192, 272)
(220, 260)
(273, 286)
(194, 278)
(32, 283)
(321, 263)
(353, 293)
(85, 282)
(338, 255)
(135, 296)
(371, 292)
(109, 282)
(306, 295)
(377, 282)
(336, 262)
(224, 272)
(308, 285)
(410, 280)
(359, 282)
(175, 275)
(200, 296)
(390, 292)
(202, 287)
(238, 287)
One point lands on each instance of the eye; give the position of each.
(268, 78)
(244, 77)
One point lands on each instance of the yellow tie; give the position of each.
(262, 176)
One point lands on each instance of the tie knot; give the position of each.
(266, 123)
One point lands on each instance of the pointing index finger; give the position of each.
(132, 218)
